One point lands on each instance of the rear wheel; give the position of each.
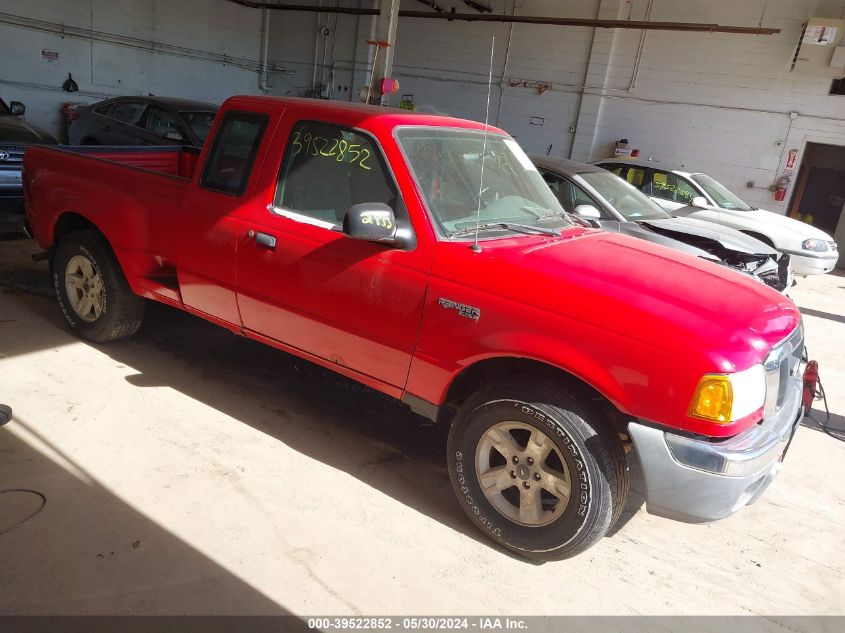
(93, 294)
(538, 470)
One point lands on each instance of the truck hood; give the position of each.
(640, 291)
(15, 131)
(689, 229)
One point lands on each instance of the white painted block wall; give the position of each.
(718, 103)
(102, 69)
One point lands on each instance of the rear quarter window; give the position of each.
(232, 155)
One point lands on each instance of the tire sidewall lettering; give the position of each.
(487, 517)
(59, 272)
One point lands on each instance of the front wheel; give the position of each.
(92, 291)
(536, 469)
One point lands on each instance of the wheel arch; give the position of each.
(497, 368)
(70, 221)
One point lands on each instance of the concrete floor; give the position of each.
(189, 471)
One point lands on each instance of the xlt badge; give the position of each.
(470, 312)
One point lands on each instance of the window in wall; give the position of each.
(230, 161)
(837, 87)
(327, 169)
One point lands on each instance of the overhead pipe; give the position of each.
(639, 57)
(265, 45)
(316, 48)
(523, 19)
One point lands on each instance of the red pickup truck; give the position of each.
(424, 256)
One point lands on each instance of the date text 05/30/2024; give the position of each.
(416, 623)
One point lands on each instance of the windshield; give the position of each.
(200, 123)
(447, 166)
(720, 194)
(624, 197)
(4, 110)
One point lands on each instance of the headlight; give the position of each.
(724, 398)
(819, 246)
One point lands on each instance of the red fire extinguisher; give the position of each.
(811, 378)
(780, 188)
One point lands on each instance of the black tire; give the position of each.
(122, 311)
(585, 441)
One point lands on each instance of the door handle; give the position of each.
(263, 239)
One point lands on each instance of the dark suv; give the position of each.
(15, 136)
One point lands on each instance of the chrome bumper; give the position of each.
(697, 481)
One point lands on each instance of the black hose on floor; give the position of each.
(819, 395)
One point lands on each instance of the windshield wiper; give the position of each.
(565, 215)
(512, 226)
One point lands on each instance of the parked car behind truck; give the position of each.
(142, 121)
(610, 203)
(16, 135)
(696, 195)
(364, 240)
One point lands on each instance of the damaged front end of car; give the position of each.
(735, 250)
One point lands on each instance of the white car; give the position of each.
(697, 195)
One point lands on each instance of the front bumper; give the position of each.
(697, 481)
(803, 264)
(11, 183)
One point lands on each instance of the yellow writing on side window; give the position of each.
(337, 149)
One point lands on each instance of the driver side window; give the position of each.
(327, 169)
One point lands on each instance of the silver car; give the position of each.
(608, 202)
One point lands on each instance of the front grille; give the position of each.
(773, 274)
(781, 363)
(774, 279)
(15, 157)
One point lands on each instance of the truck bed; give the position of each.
(133, 195)
(173, 160)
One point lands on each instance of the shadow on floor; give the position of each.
(87, 552)
(817, 420)
(823, 315)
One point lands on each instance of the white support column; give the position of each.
(595, 79)
(384, 30)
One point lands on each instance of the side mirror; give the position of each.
(588, 212)
(17, 108)
(700, 202)
(370, 221)
(173, 135)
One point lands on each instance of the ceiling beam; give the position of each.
(522, 19)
